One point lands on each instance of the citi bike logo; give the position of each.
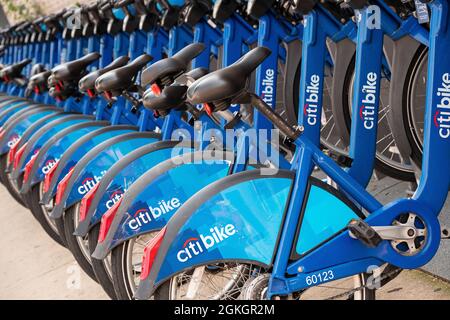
(312, 100)
(268, 84)
(193, 247)
(367, 110)
(13, 140)
(48, 165)
(114, 198)
(442, 115)
(89, 183)
(144, 216)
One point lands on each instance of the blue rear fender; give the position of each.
(53, 149)
(32, 129)
(237, 218)
(93, 166)
(5, 100)
(150, 202)
(45, 133)
(12, 102)
(124, 173)
(7, 112)
(79, 149)
(14, 128)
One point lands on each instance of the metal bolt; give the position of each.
(411, 232)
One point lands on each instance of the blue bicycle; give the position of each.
(289, 243)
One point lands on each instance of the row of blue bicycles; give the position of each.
(197, 149)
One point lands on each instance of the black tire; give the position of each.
(66, 224)
(121, 277)
(122, 284)
(413, 129)
(34, 197)
(163, 291)
(7, 182)
(103, 276)
(122, 258)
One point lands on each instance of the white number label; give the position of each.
(320, 277)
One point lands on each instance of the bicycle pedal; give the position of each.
(362, 231)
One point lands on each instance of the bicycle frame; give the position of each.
(339, 255)
(367, 81)
(426, 202)
(142, 195)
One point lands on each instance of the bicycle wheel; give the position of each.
(126, 265)
(79, 246)
(7, 181)
(414, 103)
(102, 268)
(41, 213)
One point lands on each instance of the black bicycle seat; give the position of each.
(304, 6)
(223, 9)
(165, 70)
(15, 70)
(123, 77)
(39, 78)
(171, 97)
(37, 68)
(357, 4)
(226, 84)
(195, 10)
(38, 82)
(258, 8)
(174, 96)
(51, 81)
(190, 77)
(88, 82)
(73, 70)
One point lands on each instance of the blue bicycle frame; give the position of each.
(339, 254)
